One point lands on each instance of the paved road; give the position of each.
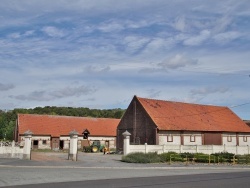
(224, 180)
(54, 167)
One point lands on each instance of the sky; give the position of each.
(100, 53)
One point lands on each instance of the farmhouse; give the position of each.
(158, 122)
(52, 132)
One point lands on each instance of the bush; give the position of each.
(139, 157)
(165, 157)
(224, 157)
(243, 159)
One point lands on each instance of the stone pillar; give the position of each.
(146, 149)
(126, 142)
(27, 145)
(73, 145)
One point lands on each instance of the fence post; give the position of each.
(180, 148)
(73, 145)
(27, 145)
(146, 149)
(126, 142)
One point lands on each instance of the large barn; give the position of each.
(52, 132)
(158, 122)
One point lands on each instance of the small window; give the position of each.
(170, 138)
(192, 138)
(229, 138)
(44, 142)
(244, 138)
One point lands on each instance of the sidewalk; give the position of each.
(98, 160)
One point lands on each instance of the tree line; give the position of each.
(8, 118)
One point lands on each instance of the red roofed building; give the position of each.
(50, 131)
(158, 122)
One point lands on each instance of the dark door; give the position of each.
(212, 139)
(61, 144)
(35, 144)
(55, 143)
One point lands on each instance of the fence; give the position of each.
(206, 149)
(11, 149)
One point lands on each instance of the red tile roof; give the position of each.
(169, 115)
(62, 125)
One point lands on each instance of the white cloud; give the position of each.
(180, 23)
(91, 69)
(177, 61)
(14, 35)
(208, 90)
(43, 95)
(53, 31)
(227, 36)
(111, 26)
(197, 40)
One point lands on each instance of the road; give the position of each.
(222, 180)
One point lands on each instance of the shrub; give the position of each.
(223, 157)
(165, 157)
(243, 159)
(139, 157)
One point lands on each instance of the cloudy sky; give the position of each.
(100, 53)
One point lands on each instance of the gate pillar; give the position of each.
(126, 142)
(27, 145)
(73, 145)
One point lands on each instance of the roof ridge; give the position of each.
(210, 105)
(64, 116)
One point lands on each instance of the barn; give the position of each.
(52, 132)
(158, 122)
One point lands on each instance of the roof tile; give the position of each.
(62, 125)
(169, 115)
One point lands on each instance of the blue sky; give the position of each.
(100, 53)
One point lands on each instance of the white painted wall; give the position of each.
(229, 139)
(11, 150)
(192, 138)
(244, 139)
(41, 140)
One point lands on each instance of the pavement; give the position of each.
(47, 167)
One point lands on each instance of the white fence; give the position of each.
(206, 149)
(10, 150)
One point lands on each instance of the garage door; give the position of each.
(212, 139)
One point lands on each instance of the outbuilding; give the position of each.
(159, 122)
(52, 132)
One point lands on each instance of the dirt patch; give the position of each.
(48, 156)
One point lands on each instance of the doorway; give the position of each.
(61, 144)
(35, 144)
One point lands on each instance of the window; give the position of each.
(229, 138)
(44, 142)
(169, 138)
(192, 138)
(244, 138)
